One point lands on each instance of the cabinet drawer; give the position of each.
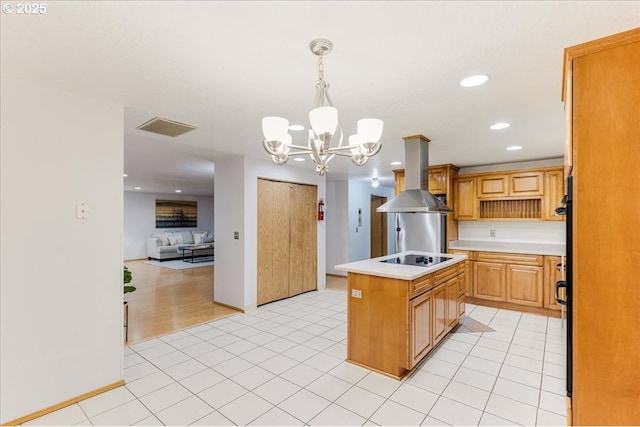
(522, 259)
(421, 284)
(446, 273)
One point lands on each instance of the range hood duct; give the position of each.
(416, 197)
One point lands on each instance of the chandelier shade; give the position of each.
(325, 134)
(324, 120)
(274, 128)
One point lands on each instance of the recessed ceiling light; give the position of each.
(296, 127)
(476, 80)
(137, 188)
(499, 125)
(396, 163)
(514, 148)
(178, 191)
(125, 175)
(299, 159)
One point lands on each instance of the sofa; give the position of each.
(169, 244)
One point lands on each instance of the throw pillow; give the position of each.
(164, 239)
(198, 238)
(187, 237)
(208, 238)
(175, 239)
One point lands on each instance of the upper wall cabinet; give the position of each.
(439, 178)
(521, 184)
(492, 186)
(510, 195)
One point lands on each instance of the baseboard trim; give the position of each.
(136, 259)
(64, 404)
(229, 306)
(337, 275)
(511, 306)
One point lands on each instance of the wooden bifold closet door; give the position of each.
(287, 240)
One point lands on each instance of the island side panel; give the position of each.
(378, 335)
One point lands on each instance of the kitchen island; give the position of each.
(398, 313)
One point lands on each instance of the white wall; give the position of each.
(360, 193)
(236, 209)
(61, 331)
(337, 225)
(229, 213)
(513, 231)
(140, 219)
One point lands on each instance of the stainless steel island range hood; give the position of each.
(416, 196)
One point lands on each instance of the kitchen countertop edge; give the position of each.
(373, 266)
(552, 249)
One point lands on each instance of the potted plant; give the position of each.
(127, 288)
(127, 279)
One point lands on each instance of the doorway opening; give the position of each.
(378, 227)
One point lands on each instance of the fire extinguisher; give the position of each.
(321, 210)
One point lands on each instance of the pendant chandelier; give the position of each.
(325, 128)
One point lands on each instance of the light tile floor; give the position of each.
(284, 365)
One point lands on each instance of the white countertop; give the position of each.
(509, 247)
(374, 267)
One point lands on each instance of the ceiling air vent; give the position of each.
(166, 127)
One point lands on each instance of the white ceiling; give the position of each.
(223, 65)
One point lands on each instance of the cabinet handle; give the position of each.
(559, 285)
(561, 267)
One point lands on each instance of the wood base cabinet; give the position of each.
(510, 278)
(553, 272)
(524, 284)
(489, 280)
(393, 324)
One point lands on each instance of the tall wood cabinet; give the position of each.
(602, 91)
(287, 240)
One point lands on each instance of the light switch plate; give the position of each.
(356, 293)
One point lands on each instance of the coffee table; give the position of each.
(190, 253)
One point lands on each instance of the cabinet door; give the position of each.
(399, 179)
(553, 193)
(553, 268)
(421, 342)
(461, 306)
(492, 186)
(524, 284)
(467, 276)
(465, 203)
(439, 313)
(438, 180)
(302, 237)
(526, 184)
(489, 280)
(451, 295)
(468, 283)
(273, 241)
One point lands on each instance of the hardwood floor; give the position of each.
(169, 300)
(336, 282)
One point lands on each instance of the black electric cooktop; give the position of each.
(419, 260)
